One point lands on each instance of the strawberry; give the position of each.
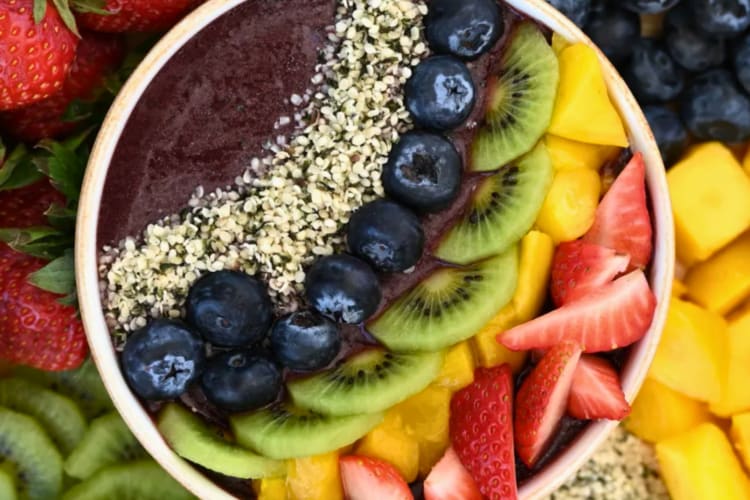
(449, 480)
(596, 391)
(137, 15)
(580, 267)
(34, 57)
(613, 316)
(481, 431)
(622, 221)
(366, 478)
(25, 207)
(541, 400)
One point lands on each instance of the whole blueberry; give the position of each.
(613, 29)
(465, 29)
(742, 62)
(241, 380)
(423, 171)
(305, 340)
(649, 6)
(440, 93)
(577, 11)
(229, 308)
(691, 48)
(669, 132)
(386, 235)
(652, 74)
(721, 17)
(161, 359)
(715, 109)
(343, 288)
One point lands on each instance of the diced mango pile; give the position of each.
(695, 403)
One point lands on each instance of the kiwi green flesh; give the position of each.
(108, 441)
(7, 485)
(141, 480)
(369, 382)
(284, 431)
(27, 451)
(521, 103)
(451, 305)
(502, 210)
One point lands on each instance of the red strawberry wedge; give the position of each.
(481, 431)
(613, 316)
(366, 478)
(580, 267)
(622, 222)
(541, 400)
(449, 480)
(596, 392)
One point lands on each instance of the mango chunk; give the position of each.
(740, 433)
(692, 352)
(659, 413)
(569, 209)
(679, 289)
(314, 478)
(583, 111)
(566, 154)
(701, 465)
(390, 442)
(489, 351)
(535, 266)
(711, 201)
(270, 488)
(458, 368)
(735, 394)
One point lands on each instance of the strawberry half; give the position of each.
(366, 478)
(580, 267)
(596, 391)
(481, 431)
(613, 316)
(137, 15)
(622, 221)
(449, 480)
(541, 400)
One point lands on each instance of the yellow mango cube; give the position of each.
(700, 465)
(458, 368)
(270, 488)
(489, 351)
(535, 266)
(390, 442)
(679, 289)
(735, 394)
(692, 353)
(567, 154)
(583, 111)
(569, 209)
(314, 478)
(659, 413)
(740, 433)
(711, 201)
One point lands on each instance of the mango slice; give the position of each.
(569, 209)
(735, 394)
(270, 488)
(390, 442)
(489, 351)
(701, 465)
(567, 154)
(583, 111)
(710, 199)
(458, 368)
(740, 433)
(534, 269)
(314, 478)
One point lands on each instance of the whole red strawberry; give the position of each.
(34, 58)
(137, 15)
(25, 207)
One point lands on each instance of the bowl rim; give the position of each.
(86, 251)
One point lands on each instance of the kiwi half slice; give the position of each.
(283, 431)
(195, 441)
(451, 305)
(368, 382)
(502, 210)
(520, 102)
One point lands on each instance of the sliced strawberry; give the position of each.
(481, 430)
(366, 478)
(615, 315)
(596, 391)
(449, 480)
(622, 221)
(580, 267)
(541, 400)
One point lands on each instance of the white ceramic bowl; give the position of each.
(102, 350)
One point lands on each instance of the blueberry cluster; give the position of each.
(693, 79)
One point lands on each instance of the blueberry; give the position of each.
(693, 49)
(241, 380)
(229, 308)
(577, 11)
(440, 93)
(652, 74)
(465, 29)
(613, 29)
(742, 62)
(305, 340)
(161, 359)
(721, 17)
(343, 288)
(714, 108)
(669, 132)
(423, 171)
(649, 6)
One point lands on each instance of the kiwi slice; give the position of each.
(29, 454)
(7, 485)
(502, 210)
(451, 305)
(368, 382)
(520, 102)
(284, 431)
(142, 480)
(108, 441)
